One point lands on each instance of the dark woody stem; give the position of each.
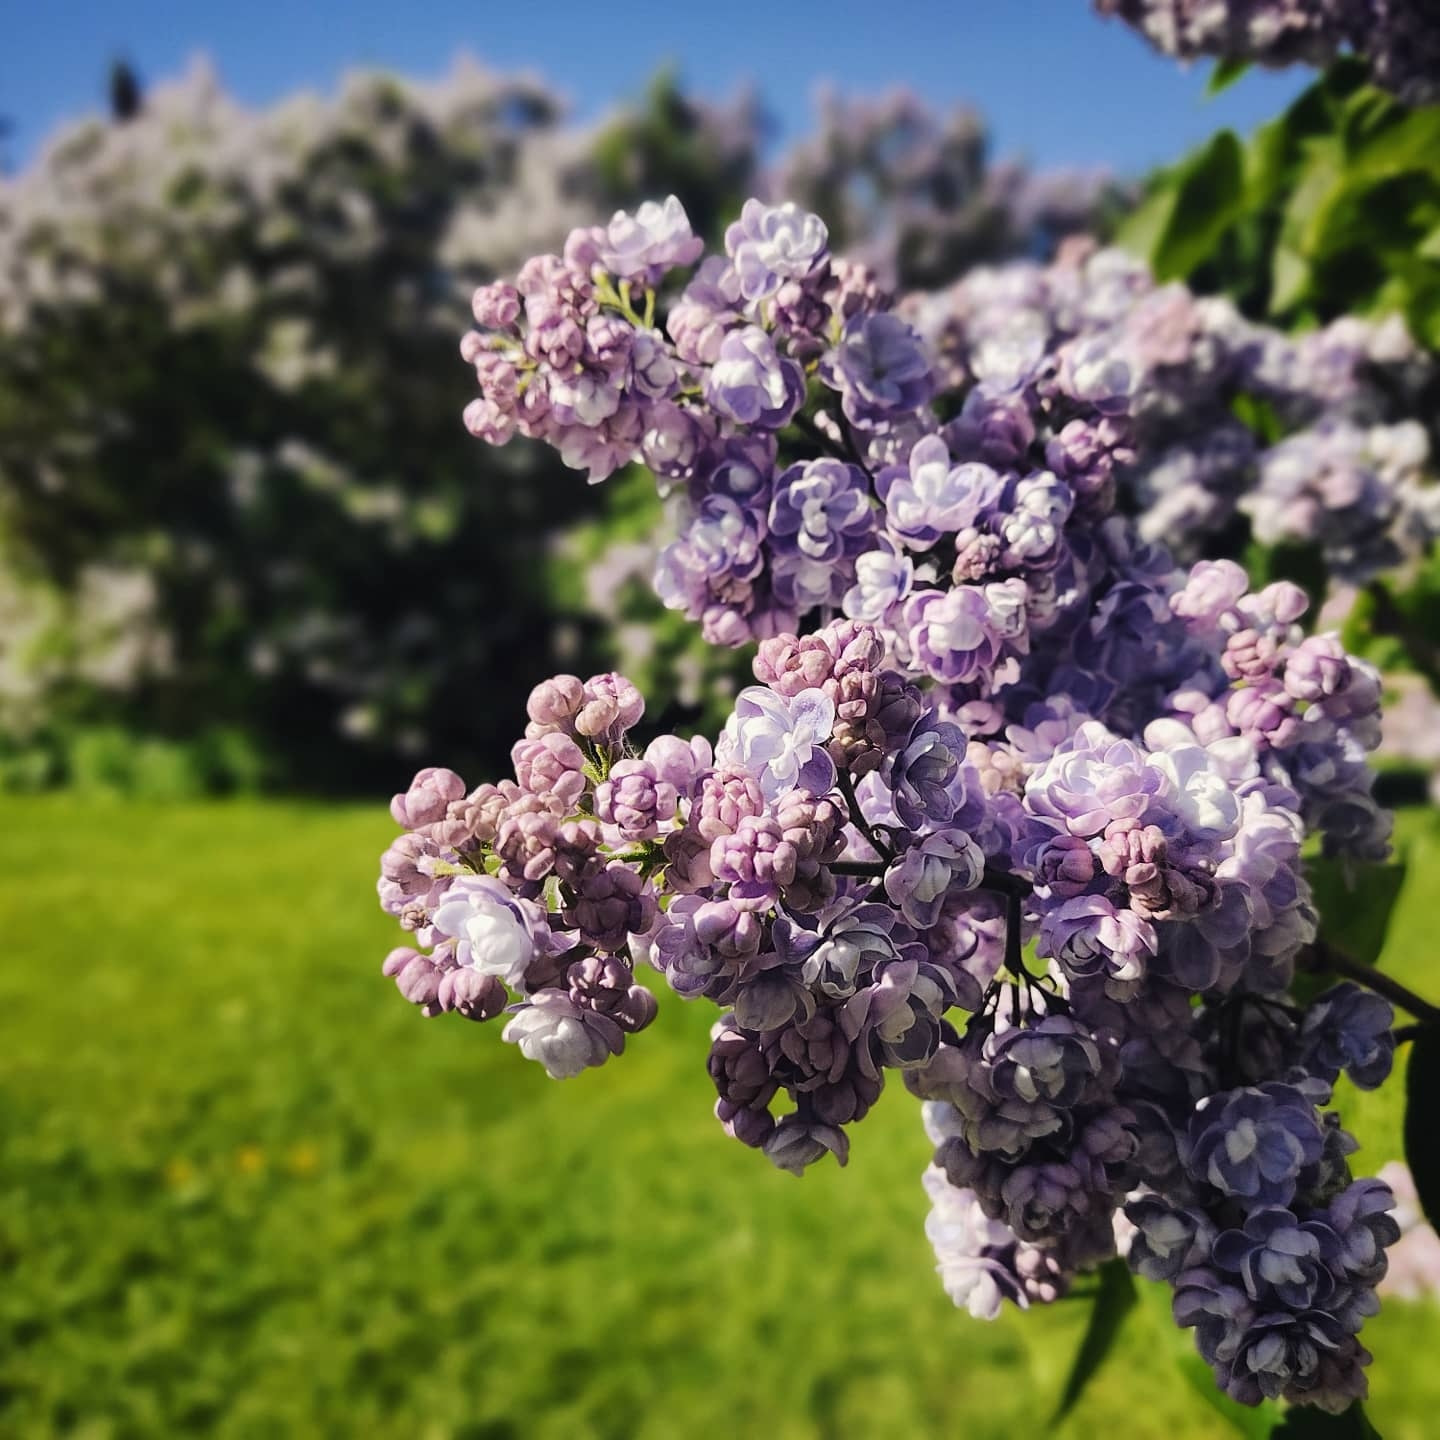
(1014, 954)
(853, 451)
(857, 818)
(1004, 883)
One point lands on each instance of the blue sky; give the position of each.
(1058, 85)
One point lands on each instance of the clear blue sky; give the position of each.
(1058, 85)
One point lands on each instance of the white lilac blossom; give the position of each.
(1399, 38)
(1026, 825)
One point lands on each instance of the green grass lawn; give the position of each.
(246, 1191)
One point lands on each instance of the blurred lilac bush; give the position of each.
(223, 379)
(300, 268)
(1400, 39)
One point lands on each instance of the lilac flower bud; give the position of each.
(729, 929)
(722, 799)
(741, 1071)
(554, 703)
(479, 814)
(472, 995)
(756, 862)
(609, 906)
(635, 801)
(677, 763)
(428, 798)
(1065, 866)
(795, 1144)
(486, 420)
(1211, 591)
(417, 977)
(407, 868)
(607, 987)
(611, 706)
(552, 767)
(1317, 668)
(526, 840)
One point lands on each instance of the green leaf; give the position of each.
(1355, 903)
(1208, 197)
(1393, 140)
(1140, 231)
(1114, 1302)
(1422, 1136)
(1320, 182)
(1305, 1422)
(1225, 74)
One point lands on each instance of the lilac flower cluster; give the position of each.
(519, 889)
(1022, 818)
(798, 431)
(1351, 476)
(1400, 38)
(852, 872)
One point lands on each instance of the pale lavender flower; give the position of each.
(781, 740)
(656, 238)
(750, 383)
(770, 244)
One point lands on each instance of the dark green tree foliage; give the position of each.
(1331, 209)
(230, 390)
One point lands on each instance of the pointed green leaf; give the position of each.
(1210, 188)
(1422, 1135)
(1115, 1300)
(1225, 74)
(1355, 904)
(1140, 231)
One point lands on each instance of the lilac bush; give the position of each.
(1018, 807)
(1399, 38)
